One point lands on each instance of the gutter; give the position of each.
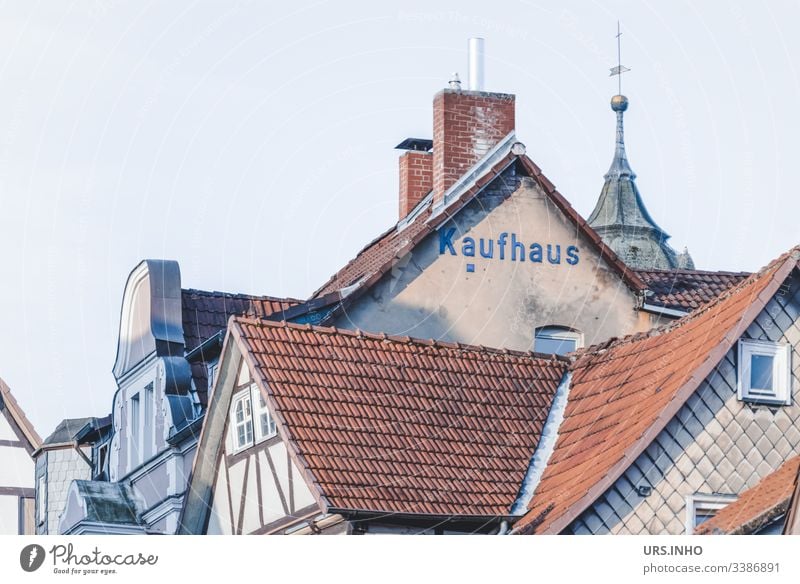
(186, 431)
(656, 309)
(212, 342)
(394, 516)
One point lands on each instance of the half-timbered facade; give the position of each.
(18, 441)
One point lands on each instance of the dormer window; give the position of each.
(764, 372)
(251, 420)
(558, 340)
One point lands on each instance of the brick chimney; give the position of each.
(416, 179)
(466, 125)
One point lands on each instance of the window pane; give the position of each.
(267, 427)
(761, 371)
(546, 344)
(703, 515)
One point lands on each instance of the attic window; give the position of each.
(242, 421)
(700, 508)
(558, 340)
(764, 373)
(251, 421)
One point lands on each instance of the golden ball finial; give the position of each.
(619, 103)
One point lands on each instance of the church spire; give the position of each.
(619, 165)
(620, 216)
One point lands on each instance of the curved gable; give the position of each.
(151, 318)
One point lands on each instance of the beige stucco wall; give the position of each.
(429, 295)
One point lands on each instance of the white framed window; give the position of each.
(252, 421)
(264, 422)
(242, 418)
(558, 340)
(135, 447)
(765, 372)
(700, 508)
(211, 369)
(41, 514)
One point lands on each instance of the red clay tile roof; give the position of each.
(380, 255)
(207, 313)
(625, 391)
(756, 507)
(19, 421)
(687, 290)
(395, 425)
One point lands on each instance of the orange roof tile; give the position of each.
(758, 506)
(396, 425)
(625, 391)
(687, 289)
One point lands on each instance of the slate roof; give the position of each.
(758, 506)
(108, 502)
(207, 313)
(624, 392)
(687, 290)
(380, 255)
(11, 408)
(66, 430)
(396, 425)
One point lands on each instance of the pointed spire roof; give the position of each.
(620, 204)
(621, 218)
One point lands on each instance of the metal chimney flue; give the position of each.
(476, 64)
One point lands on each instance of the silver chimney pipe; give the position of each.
(476, 54)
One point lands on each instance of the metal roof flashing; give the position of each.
(478, 170)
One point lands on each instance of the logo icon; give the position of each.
(31, 557)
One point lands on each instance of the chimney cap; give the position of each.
(421, 144)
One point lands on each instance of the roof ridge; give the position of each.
(399, 339)
(16, 411)
(684, 271)
(240, 295)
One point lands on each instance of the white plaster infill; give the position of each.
(476, 172)
(544, 450)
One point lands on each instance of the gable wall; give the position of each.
(16, 477)
(430, 295)
(259, 489)
(715, 444)
(59, 467)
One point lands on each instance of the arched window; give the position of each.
(558, 340)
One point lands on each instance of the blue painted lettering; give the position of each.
(468, 247)
(487, 253)
(515, 247)
(572, 255)
(446, 241)
(536, 253)
(550, 258)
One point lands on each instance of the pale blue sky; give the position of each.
(254, 144)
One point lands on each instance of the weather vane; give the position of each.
(620, 68)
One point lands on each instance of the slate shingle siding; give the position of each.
(715, 444)
(61, 467)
